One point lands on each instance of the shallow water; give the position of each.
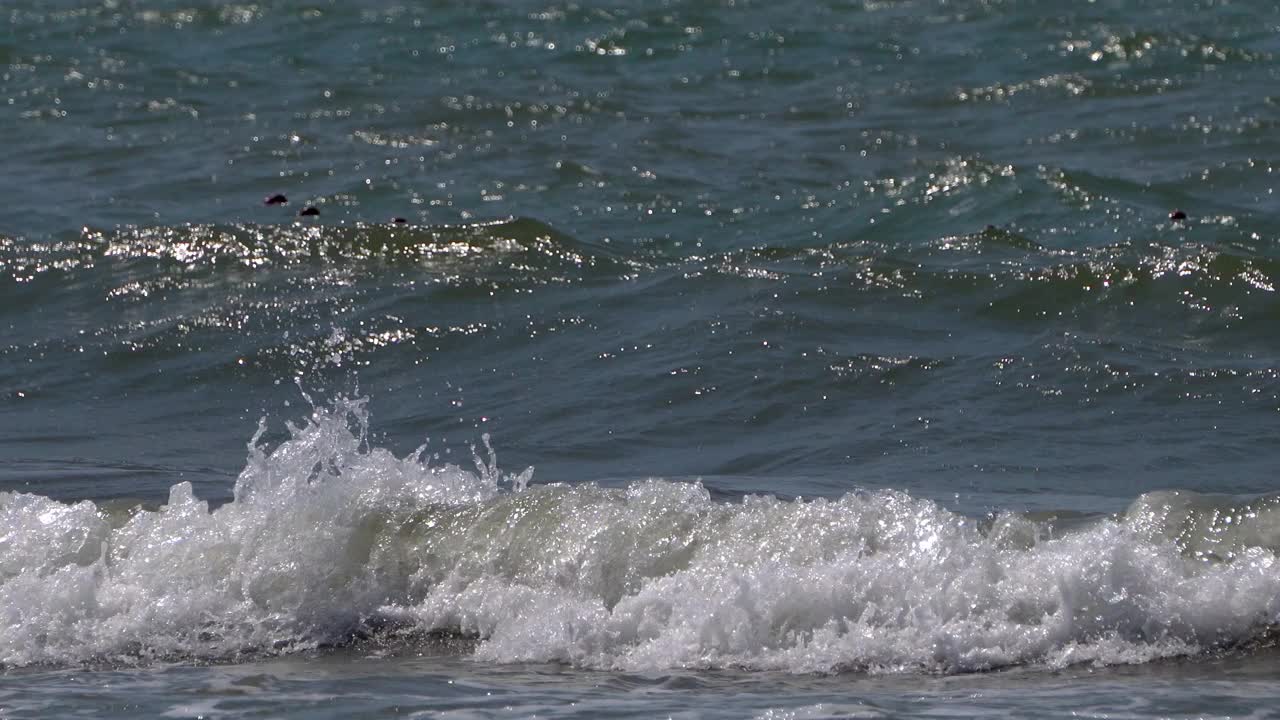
(337, 686)
(843, 358)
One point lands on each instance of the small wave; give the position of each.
(1000, 274)
(329, 539)
(510, 245)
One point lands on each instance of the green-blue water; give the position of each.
(855, 347)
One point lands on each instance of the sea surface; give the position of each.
(684, 358)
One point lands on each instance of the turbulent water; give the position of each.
(844, 359)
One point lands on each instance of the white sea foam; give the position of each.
(328, 536)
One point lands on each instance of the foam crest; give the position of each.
(329, 539)
(295, 561)
(877, 582)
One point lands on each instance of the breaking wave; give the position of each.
(329, 539)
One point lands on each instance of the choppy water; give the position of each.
(843, 359)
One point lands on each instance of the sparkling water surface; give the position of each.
(842, 359)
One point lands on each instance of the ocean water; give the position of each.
(818, 359)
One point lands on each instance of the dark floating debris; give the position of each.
(309, 211)
(276, 199)
(1177, 216)
(399, 220)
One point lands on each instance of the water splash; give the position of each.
(295, 561)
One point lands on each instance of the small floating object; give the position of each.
(398, 221)
(276, 199)
(309, 211)
(1177, 216)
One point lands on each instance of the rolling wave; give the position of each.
(330, 539)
